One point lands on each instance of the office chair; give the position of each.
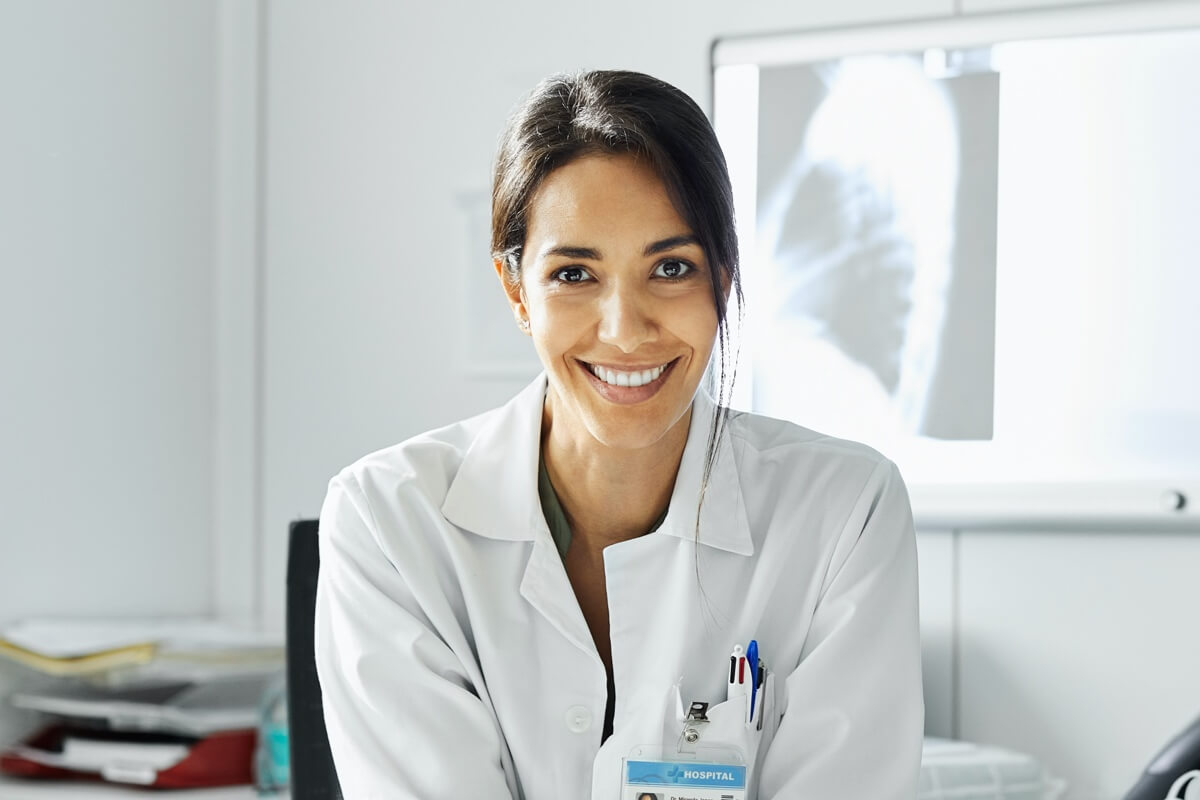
(313, 774)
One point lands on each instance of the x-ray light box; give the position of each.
(971, 243)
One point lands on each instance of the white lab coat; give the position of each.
(455, 661)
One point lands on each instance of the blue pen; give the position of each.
(752, 662)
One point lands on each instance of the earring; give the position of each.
(524, 324)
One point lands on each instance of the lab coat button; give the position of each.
(579, 719)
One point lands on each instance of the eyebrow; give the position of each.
(662, 245)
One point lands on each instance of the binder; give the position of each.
(223, 758)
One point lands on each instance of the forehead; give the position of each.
(614, 197)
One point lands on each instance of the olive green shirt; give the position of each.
(556, 518)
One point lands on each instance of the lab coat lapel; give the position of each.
(494, 494)
(723, 520)
(494, 491)
(548, 589)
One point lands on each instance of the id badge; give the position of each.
(706, 753)
(682, 780)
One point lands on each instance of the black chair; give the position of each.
(313, 773)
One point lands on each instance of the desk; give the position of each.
(16, 789)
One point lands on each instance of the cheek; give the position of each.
(557, 326)
(563, 310)
(696, 323)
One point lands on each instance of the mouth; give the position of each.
(628, 378)
(627, 386)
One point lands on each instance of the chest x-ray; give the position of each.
(881, 305)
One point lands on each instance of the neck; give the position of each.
(610, 494)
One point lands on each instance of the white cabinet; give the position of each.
(1080, 649)
(935, 555)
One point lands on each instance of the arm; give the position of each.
(404, 719)
(854, 717)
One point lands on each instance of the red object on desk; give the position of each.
(224, 758)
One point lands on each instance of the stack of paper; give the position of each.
(73, 655)
(190, 709)
(153, 702)
(80, 752)
(172, 734)
(107, 649)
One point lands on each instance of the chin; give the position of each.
(624, 432)
(624, 426)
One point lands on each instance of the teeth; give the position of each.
(614, 378)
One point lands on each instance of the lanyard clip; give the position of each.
(694, 722)
(698, 712)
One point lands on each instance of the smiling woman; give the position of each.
(677, 173)
(518, 604)
(632, 303)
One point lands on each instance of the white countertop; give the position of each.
(32, 789)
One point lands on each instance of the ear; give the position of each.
(513, 291)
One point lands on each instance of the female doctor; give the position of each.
(516, 605)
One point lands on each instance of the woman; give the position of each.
(517, 605)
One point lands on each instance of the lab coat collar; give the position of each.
(494, 493)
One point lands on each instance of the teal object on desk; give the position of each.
(272, 767)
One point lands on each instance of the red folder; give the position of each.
(224, 758)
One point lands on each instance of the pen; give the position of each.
(738, 680)
(752, 664)
(762, 680)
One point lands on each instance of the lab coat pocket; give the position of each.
(724, 732)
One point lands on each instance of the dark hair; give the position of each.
(566, 117)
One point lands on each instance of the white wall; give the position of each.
(106, 310)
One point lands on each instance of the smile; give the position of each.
(617, 378)
(627, 387)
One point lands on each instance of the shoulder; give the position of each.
(776, 450)
(469, 467)
(389, 503)
(424, 464)
(843, 496)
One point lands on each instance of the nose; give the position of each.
(625, 321)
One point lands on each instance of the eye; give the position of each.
(571, 275)
(674, 269)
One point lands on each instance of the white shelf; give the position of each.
(1091, 507)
